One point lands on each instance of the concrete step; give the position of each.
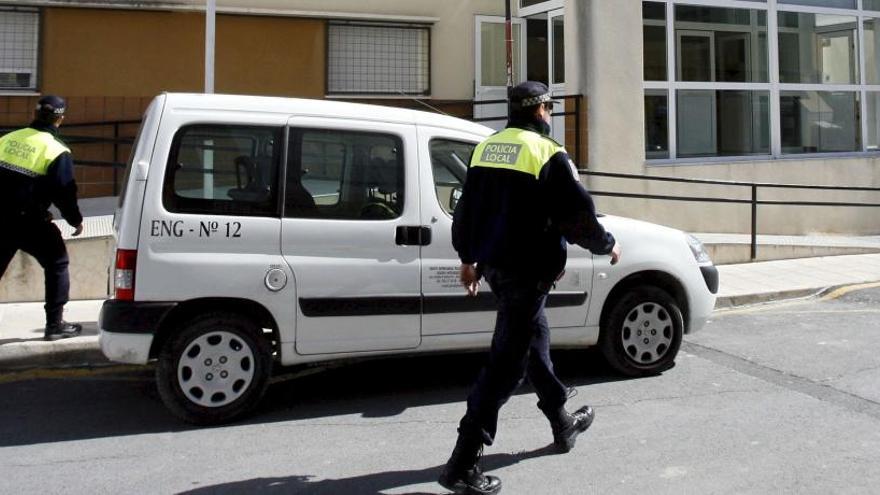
(728, 249)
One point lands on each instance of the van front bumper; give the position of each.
(127, 329)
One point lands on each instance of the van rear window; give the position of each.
(224, 170)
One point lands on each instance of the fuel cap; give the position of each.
(276, 279)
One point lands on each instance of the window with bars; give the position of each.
(19, 35)
(387, 59)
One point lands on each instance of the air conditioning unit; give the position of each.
(17, 79)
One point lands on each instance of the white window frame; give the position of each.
(35, 71)
(539, 8)
(772, 8)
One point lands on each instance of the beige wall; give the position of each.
(736, 218)
(89, 272)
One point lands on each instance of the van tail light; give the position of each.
(123, 277)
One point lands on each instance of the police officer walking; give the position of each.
(36, 170)
(522, 200)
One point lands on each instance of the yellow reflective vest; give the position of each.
(516, 149)
(29, 151)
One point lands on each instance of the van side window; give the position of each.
(449, 163)
(344, 175)
(224, 170)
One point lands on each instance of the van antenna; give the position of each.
(420, 102)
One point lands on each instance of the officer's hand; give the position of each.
(615, 253)
(77, 230)
(469, 278)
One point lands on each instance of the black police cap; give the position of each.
(51, 105)
(529, 94)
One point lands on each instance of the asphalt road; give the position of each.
(780, 399)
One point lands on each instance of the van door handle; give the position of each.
(408, 235)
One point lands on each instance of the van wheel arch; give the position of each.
(658, 279)
(185, 311)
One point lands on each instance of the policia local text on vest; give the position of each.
(36, 171)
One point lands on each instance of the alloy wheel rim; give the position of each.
(647, 333)
(215, 369)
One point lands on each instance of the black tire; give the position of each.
(215, 369)
(642, 333)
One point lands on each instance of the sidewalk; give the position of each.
(21, 324)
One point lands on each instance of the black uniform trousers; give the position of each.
(520, 347)
(42, 240)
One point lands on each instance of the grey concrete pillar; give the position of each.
(604, 40)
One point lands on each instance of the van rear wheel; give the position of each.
(215, 369)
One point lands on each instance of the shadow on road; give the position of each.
(95, 404)
(367, 484)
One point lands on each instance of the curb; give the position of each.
(85, 352)
(728, 303)
(732, 302)
(75, 352)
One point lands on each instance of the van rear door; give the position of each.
(131, 199)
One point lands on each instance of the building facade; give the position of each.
(779, 91)
(775, 91)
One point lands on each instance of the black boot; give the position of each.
(462, 473)
(61, 330)
(567, 426)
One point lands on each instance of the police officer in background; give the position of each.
(522, 200)
(36, 170)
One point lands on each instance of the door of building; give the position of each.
(490, 69)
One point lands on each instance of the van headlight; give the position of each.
(698, 249)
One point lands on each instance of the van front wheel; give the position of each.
(642, 333)
(215, 369)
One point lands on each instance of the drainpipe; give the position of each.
(508, 42)
(210, 18)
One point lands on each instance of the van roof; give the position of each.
(320, 108)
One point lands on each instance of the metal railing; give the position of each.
(68, 134)
(754, 202)
(116, 162)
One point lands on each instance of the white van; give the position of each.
(255, 232)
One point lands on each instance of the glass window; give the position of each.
(840, 4)
(720, 44)
(558, 49)
(819, 121)
(871, 4)
(378, 59)
(872, 51)
(223, 170)
(493, 54)
(537, 63)
(654, 38)
(873, 137)
(19, 35)
(818, 48)
(656, 124)
(344, 175)
(449, 161)
(723, 123)
(529, 3)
